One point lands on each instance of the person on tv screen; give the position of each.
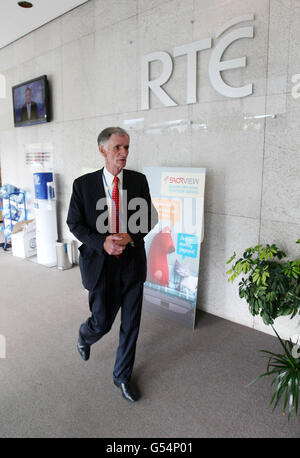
(29, 109)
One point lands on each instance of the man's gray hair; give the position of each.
(104, 136)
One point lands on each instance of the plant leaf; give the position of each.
(231, 259)
(288, 354)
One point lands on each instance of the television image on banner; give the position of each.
(30, 102)
(173, 245)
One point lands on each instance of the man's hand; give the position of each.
(125, 238)
(115, 244)
(112, 245)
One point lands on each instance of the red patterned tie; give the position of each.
(115, 208)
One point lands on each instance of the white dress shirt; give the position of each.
(29, 110)
(110, 184)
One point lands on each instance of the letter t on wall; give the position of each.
(191, 51)
(155, 85)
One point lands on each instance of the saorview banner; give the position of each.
(173, 245)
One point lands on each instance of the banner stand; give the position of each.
(173, 246)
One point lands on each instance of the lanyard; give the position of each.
(120, 219)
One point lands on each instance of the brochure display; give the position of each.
(173, 245)
(13, 206)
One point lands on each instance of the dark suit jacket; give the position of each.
(33, 114)
(82, 216)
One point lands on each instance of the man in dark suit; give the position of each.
(29, 110)
(103, 215)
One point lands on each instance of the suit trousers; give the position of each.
(117, 288)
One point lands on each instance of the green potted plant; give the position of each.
(286, 371)
(271, 286)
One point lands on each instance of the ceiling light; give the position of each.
(25, 4)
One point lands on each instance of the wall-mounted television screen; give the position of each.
(31, 102)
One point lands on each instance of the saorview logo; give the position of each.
(182, 180)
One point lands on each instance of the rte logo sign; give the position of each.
(216, 65)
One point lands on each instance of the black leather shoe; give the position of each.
(127, 391)
(84, 350)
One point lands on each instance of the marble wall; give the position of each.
(92, 58)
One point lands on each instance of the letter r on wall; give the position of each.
(155, 85)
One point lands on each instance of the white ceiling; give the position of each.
(16, 22)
